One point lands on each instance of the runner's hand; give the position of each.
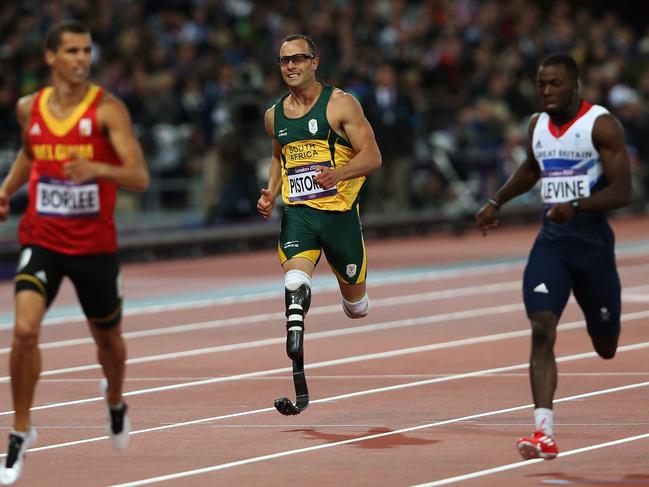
(487, 218)
(561, 213)
(81, 170)
(265, 203)
(326, 178)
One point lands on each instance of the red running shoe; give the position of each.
(539, 445)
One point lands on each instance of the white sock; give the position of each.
(22, 434)
(544, 420)
(357, 309)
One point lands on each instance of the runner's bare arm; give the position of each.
(266, 201)
(346, 118)
(525, 176)
(521, 181)
(132, 174)
(608, 138)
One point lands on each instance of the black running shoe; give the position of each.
(119, 424)
(12, 468)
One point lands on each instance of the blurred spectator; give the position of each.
(390, 113)
(197, 76)
(627, 105)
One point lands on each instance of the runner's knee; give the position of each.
(605, 346)
(544, 333)
(109, 339)
(606, 353)
(358, 309)
(25, 336)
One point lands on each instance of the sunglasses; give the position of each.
(295, 58)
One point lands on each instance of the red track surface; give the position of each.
(431, 386)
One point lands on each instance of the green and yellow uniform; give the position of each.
(316, 219)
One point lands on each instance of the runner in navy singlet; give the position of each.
(576, 150)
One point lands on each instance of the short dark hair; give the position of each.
(565, 60)
(54, 34)
(303, 37)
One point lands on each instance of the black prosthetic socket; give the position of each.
(297, 306)
(301, 296)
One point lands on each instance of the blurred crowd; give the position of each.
(448, 86)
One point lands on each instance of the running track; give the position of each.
(430, 389)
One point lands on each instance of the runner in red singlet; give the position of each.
(78, 148)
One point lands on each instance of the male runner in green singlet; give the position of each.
(323, 147)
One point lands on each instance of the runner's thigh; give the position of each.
(597, 289)
(299, 234)
(97, 280)
(39, 270)
(547, 279)
(342, 237)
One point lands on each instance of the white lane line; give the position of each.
(349, 377)
(636, 298)
(476, 373)
(361, 358)
(278, 316)
(525, 463)
(272, 456)
(643, 288)
(425, 320)
(396, 278)
(629, 295)
(425, 275)
(332, 333)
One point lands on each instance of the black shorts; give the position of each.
(95, 277)
(555, 268)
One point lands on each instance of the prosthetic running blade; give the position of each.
(284, 405)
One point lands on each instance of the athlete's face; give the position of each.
(71, 61)
(296, 65)
(557, 89)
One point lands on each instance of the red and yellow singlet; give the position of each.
(61, 215)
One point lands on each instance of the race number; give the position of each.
(560, 185)
(65, 198)
(302, 185)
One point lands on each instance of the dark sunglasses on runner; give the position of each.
(296, 58)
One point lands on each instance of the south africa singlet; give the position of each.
(308, 142)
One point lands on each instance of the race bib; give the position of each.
(302, 185)
(560, 185)
(65, 198)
